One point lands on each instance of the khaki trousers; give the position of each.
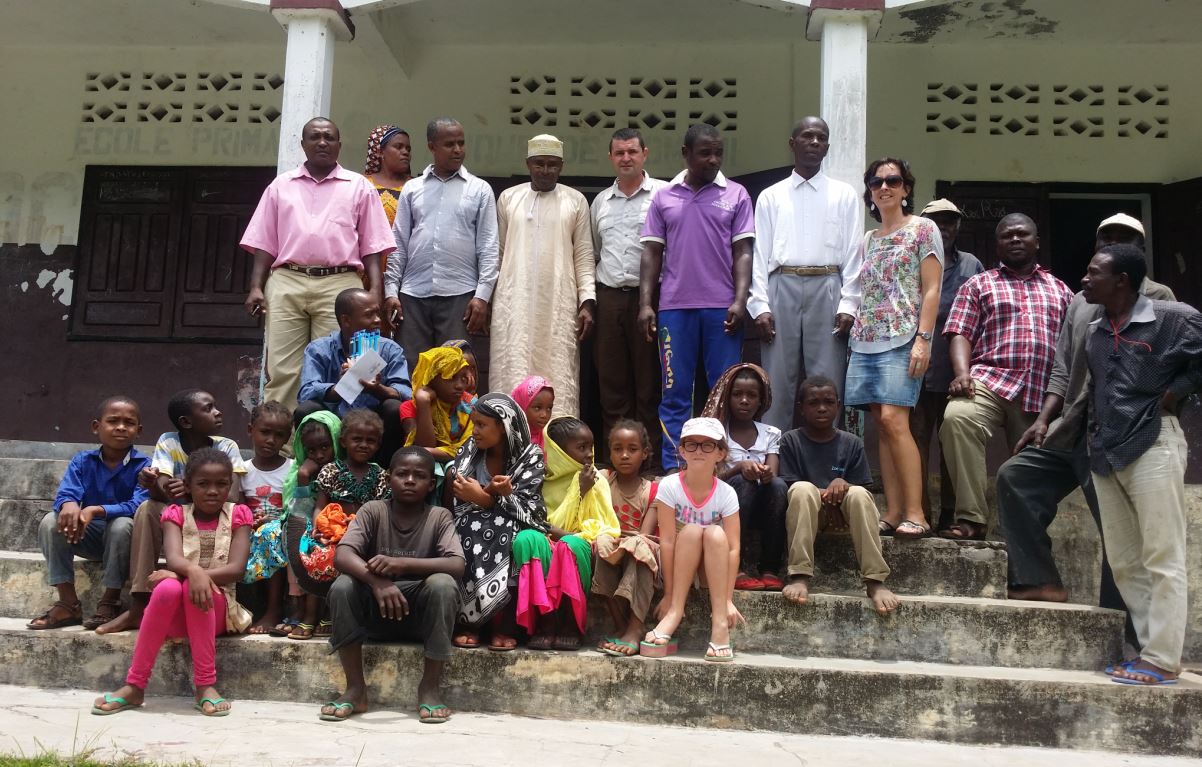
(146, 544)
(968, 423)
(804, 521)
(629, 579)
(299, 309)
(1143, 528)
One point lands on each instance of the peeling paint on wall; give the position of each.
(61, 285)
(247, 387)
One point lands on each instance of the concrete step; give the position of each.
(19, 523)
(30, 478)
(961, 704)
(961, 630)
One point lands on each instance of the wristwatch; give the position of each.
(924, 335)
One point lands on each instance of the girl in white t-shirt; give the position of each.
(699, 527)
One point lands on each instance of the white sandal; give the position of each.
(713, 657)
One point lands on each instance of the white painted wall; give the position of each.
(41, 173)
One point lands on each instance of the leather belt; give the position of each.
(623, 289)
(807, 271)
(319, 271)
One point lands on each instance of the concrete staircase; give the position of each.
(957, 662)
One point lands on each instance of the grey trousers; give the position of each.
(803, 309)
(433, 605)
(106, 540)
(432, 321)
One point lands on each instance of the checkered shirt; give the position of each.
(1012, 323)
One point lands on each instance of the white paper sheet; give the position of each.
(367, 367)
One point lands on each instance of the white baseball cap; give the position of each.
(703, 427)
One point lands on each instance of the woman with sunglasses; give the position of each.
(891, 338)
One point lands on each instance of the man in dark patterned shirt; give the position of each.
(1002, 331)
(1144, 357)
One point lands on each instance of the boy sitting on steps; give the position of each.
(827, 472)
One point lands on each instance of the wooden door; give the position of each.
(1177, 256)
(985, 203)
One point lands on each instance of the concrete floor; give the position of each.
(264, 734)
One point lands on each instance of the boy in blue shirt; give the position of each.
(93, 516)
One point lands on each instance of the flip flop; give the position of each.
(657, 650)
(337, 707)
(301, 632)
(885, 529)
(200, 706)
(911, 530)
(1124, 665)
(282, 629)
(110, 698)
(712, 654)
(502, 647)
(466, 641)
(1160, 680)
(434, 717)
(634, 649)
(963, 530)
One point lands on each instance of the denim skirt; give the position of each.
(881, 379)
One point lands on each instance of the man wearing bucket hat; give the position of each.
(1051, 460)
(927, 416)
(543, 305)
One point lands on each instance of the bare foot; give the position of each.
(882, 598)
(798, 589)
(132, 695)
(126, 621)
(355, 696)
(210, 701)
(1141, 672)
(265, 624)
(1048, 592)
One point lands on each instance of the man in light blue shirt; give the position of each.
(441, 276)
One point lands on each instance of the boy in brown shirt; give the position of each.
(401, 561)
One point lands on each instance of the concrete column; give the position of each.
(845, 27)
(308, 67)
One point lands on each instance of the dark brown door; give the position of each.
(985, 203)
(1176, 250)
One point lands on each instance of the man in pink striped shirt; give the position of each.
(318, 230)
(1002, 330)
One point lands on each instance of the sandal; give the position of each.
(1158, 679)
(568, 643)
(110, 698)
(466, 641)
(772, 583)
(283, 628)
(74, 617)
(634, 649)
(886, 530)
(301, 632)
(911, 530)
(503, 644)
(963, 530)
(747, 583)
(712, 653)
(541, 642)
(214, 702)
(337, 707)
(656, 648)
(325, 628)
(106, 610)
(434, 716)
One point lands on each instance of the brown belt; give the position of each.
(319, 271)
(807, 271)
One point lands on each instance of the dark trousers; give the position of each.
(433, 605)
(1029, 487)
(389, 411)
(925, 419)
(627, 366)
(762, 509)
(433, 321)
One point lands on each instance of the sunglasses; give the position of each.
(693, 447)
(893, 182)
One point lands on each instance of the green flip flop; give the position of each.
(621, 643)
(337, 707)
(434, 717)
(110, 698)
(214, 702)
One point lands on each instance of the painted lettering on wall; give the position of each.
(215, 142)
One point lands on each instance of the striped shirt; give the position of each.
(1012, 323)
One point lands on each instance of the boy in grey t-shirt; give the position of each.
(827, 471)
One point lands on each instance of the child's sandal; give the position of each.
(324, 628)
(712, 653)
(658, 649)
(301, 632)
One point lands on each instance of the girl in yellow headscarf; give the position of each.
(438, 416)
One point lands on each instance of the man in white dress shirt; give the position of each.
(805, 286)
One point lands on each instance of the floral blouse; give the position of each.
(891, 285)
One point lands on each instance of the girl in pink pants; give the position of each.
(206, 544)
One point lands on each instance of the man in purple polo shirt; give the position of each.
(318, 230)
(697, 245)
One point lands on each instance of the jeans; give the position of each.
(106, 540)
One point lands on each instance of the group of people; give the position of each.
(423, 507)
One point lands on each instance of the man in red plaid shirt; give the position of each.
(1002, 331)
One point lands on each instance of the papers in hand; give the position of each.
(365, 368)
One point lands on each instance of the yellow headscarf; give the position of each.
(588, 517)
(443, 362)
